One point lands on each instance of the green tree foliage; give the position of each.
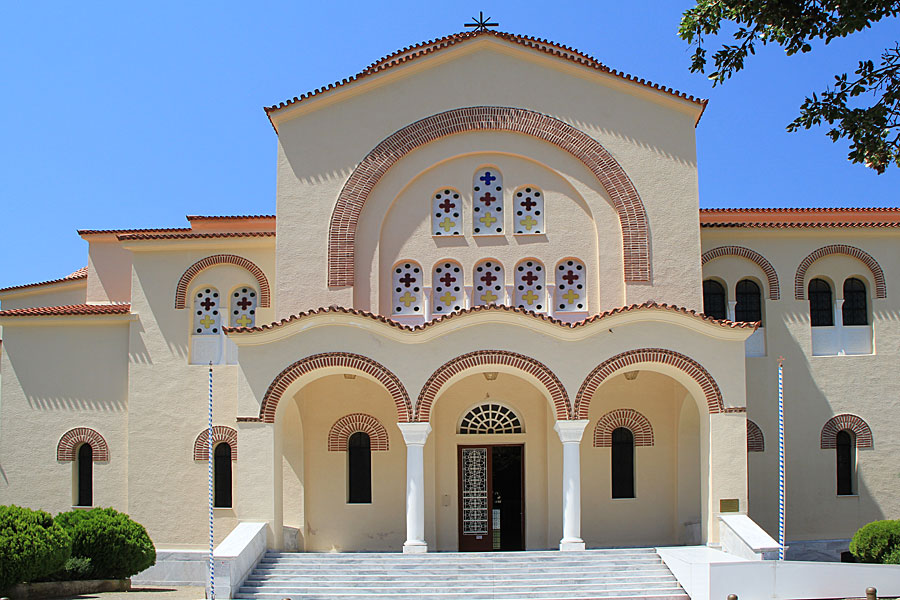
(863, 107)
(116, 546)
(31, 545)
(877, 542)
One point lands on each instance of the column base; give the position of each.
(415, 548)
(570, 545)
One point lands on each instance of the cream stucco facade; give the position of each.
(347, 313)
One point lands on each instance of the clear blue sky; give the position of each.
(121, 115)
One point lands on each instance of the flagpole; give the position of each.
(780, 458)
(209, 437)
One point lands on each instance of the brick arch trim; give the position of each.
(848, 422)
(714, 401)
(436, 382)
(222, 259)
(72, 439)
(861, 255)
(628, 418)
(349, 360)
(751, 255)
(755, 440)
(343, 428)
(221, 433)
(611, 175)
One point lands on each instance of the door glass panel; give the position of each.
(475, 491)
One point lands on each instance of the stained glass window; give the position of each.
(488, 283)
(243, 307)
(490, 418)
(531, 291)
(446, 212)
(571, 288)
(447, 292)
(528, 204)
(207, 317)
(487, 202)
(407, 292)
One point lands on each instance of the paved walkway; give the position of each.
(147, 593)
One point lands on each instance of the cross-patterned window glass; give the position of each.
(488, 283)
(531, 291)
(487, 202)
(490, 418)
(446, 212)
(447, 292)
(407, 293)
(243, 307)
(821, 310)
(528, 204)
(855, 311)
(714, 299)
(207, 317)
(571, 288)
(749, 302)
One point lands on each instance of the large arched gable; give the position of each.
(219, 259)
(861, 255)
(611, 175)
(751, 255)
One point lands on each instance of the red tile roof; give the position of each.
(781, 218)
(117, 231)
(228, 217)
(79, 274)
(69, 309)
(193, 235)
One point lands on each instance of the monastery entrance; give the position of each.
(491, 498)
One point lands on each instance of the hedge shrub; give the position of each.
(31, 545)
(876, 542)
(116, 546)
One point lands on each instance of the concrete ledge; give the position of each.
(59, 589)
(237, 556)
(742, 537)
(176, 567)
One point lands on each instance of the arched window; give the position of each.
(446, 212)
(447, 293)
(490, 418)
(84, 466)
(622, 463)
(714, 299)
(855, 310)
(821, 310)
(207, 317)
(571, 286)
(845, 448)
(222, 475)
(243, 307)
(406, 293)
(359, 469)
(531, 289)
(749, 302)
(487, 202)
(488, 281)
(528, 204)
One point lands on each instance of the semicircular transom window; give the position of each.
(490, 418)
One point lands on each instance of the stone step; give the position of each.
(552, 555)
(673, 594)
(399, 560)
(659, 581)
(497, 579)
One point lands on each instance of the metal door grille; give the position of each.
(475, 491)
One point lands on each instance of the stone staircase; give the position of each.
(621, 573)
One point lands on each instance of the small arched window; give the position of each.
(407, 293)
(528, 204)
(84, 466)
(531, 289)
(446, 212)
(222, 475)
(855, 309)
(622, 463)
(845, 448)
(714, 299)
(749, 302)
(447, 293)
(487, 202)
(488, 281)
(359, 468)
(571, 286)
(243, 307)
(821, 309)
(490, 418)
(207, 315)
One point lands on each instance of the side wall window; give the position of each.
(714, 299)
(622, 463)
(531, 289)
(571, 286)
(446, 212)
(821, 309)
(487, 202)
(845, 448)
(207, 316)
(488, 283)
(749, 302)
(84, 466)
(407, 293)
(447, 293)
(359, 469)
(855, 309)
(222, 475)
(528, 207)
(243, 307)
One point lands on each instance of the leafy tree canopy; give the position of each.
(864, 107)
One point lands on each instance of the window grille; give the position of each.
(490, 418)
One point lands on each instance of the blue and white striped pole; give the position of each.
(209, 437)
(780, 458)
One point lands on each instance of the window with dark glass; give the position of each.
(821, 310)
(845, 463)
(85, 475)
(749, 302)
(622, 463)
(222, 479)
(359, 458)
(855, 311)
(714, 299)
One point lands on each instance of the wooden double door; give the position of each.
(491, 497)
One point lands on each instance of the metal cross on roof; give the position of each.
(480, 23)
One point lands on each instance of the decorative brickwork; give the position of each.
(480, 358)
(72, 439)
(220, 434)
(619, 187)
(755, 440)
(220, 259)
(752, 255)
(847, 422)
(695, 370)
(628, 418)
(865, 257)
(346, 426)
(335, 359)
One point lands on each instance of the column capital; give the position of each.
(415, 434)
(570, 432)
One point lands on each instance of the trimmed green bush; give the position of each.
(77, 568)
(875, 542)
(116, 546)
(31, 545)
(893, 557)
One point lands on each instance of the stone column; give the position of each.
(415, 434)
(570, 433)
